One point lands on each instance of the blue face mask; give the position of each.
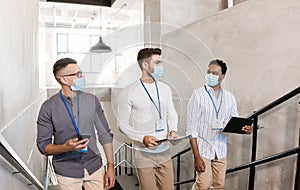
(79, 84)
(158, 72)
(212, 80)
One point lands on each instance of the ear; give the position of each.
(223, 76)
(145, 65)
(62, 80)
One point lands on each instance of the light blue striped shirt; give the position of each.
(200, 115)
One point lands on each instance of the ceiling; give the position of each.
(88, 15)
(86, 2)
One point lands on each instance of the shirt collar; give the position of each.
(210, 89)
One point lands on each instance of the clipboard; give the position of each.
(174, 139)
(236, 124)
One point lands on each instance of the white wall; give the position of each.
(259, 40)
(20, 95)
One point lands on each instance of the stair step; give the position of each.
(128, 182)
(54, 187)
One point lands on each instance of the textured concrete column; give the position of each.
(152, 15)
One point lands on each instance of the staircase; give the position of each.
(126, 182)
(126, 178)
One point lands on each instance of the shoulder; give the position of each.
(198, 94)
(163, 86)
(49, 104)
(228, 93)
(89, 98)
(132, 87)
(52, 100)
(88, 95)
(199, 91)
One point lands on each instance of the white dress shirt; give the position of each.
(201, 116)
(137, 115)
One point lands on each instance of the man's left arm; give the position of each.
(172, 117)
(247, 128)
(110, 173)
(105, 138)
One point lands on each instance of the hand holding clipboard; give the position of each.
(237, 125)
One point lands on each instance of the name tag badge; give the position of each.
(160, 125)
(84, 150)
(216, 124)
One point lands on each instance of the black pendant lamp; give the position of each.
(100, 47)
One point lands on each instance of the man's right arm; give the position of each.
(70, 145)
(192, 122)
(123, 116)
(45, 133)
(198, 161)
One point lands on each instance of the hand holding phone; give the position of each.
(83, 136)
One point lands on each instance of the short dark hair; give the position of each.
(146, 53)
(221, 63)
(62, 63)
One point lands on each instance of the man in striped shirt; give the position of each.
(209, 110)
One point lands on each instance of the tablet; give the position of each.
(236, 124)
(175, 139)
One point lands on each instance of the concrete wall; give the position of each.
(20, 95)
(177, 14)
(259, 40)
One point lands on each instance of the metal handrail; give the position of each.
(12, 157)
(178, 166)
(274, 103)
(50, 174)
(46, 174)
(255, 124)
(118, 161)
(123, 161)
(121, 146)
(247, 165)
(265, 160)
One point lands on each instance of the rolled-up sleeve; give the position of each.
(104, 132)
(192, 113)
(44, 128)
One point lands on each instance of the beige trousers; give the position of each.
(89, 182)
(214, 176)
(156, 172)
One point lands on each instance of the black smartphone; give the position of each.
(161, 140)
(83, 136)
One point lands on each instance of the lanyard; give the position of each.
(157, 108)
(217, 110)
(69, 112)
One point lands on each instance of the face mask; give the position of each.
(212, 80)
(158, 72)
(79, 84)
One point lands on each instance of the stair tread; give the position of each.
(128, 182)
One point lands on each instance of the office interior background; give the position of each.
(258, 39)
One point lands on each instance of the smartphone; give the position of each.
(84, 136)
(161, 140)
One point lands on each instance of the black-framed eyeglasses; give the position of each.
(212, 72)
(78, 74)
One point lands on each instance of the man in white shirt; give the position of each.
(209, 110)
(146, 114)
